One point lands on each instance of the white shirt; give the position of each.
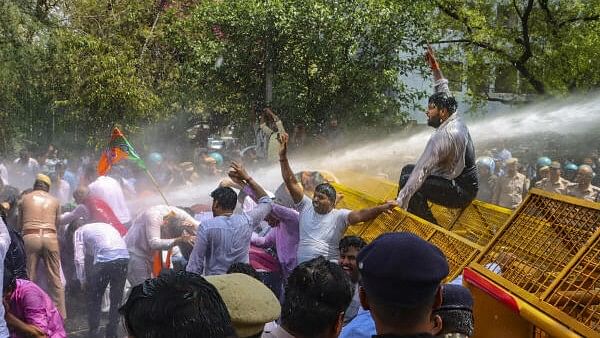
(320, 234)
(109, 190)
(144, 235)
(273, 330)
(4, 244)
(99, 240)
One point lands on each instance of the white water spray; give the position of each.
(577, 116)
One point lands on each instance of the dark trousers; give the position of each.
(456, 194)
(98, 278)
(273, 281)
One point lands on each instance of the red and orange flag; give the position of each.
(118, 149)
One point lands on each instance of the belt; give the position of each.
(40, 232)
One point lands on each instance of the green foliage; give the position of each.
(328, 57)
(552, 45)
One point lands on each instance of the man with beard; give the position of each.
(445, 173)
(583, 187)
(349, 248)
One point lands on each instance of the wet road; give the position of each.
(76, 325)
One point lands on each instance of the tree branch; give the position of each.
(505, 101)
(585, 18)
(517, 9)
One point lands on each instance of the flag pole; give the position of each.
(157, 186)
(147, 171)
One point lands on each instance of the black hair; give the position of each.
(9, 282)
(244, 268)
(456, 321)
(442, 100)
(188, 210)
(176, 305)
(328, 190)
(456, 310)
(317, 292)
(351, 241)
(10, 195)
(226, 197)
(399, 314)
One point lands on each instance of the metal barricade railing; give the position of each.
(459, 251)
(549, 256)
(480, 221)
(353, 200)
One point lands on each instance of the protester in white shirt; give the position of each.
(100, 251)
(159, 228)
(109, 190)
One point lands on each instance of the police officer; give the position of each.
(401, 284)
(511, 188)
(554, 183)
(583, 187)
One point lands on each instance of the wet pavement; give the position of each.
(76, 324)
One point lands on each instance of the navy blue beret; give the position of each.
(402, 268)
(456, 297)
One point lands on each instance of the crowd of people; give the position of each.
(505, 181)
(217, 272)
(250, 263)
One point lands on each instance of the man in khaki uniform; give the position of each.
(555, 183)
(511, 188)
(583, 187)
(39, 214)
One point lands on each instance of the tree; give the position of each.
(338, 58)
(552, 45)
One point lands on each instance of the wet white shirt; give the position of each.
(99, 240)
(144, 235)
(109, 190)
(320, 234)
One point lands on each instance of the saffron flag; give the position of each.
(118, 149)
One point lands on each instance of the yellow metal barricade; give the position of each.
(549, 258)
(459, 251)
(349, 198)
(480, 221)
(376, 187)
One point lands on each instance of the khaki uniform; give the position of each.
(592, 193)
(510, 191)
(39, 215)
(558, 187)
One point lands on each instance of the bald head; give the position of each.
(80, 194)
(585, 173)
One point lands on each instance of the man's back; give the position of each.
(227, 241)
(39, 210)
(101, 240)
(109, 190)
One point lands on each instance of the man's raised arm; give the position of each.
(295, 189)
(440, 83)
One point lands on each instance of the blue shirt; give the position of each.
(224, 240)
(362, 326)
